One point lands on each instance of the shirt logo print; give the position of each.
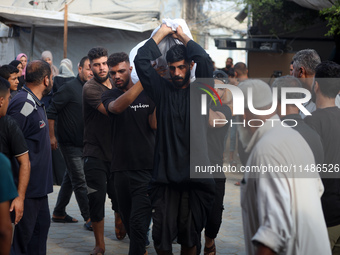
(42, 124)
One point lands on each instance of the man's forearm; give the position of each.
(24, 174)
(51, 127)
(123, 102)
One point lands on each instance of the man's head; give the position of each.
(262, 99)
(179, 66)
(291, 68)
(4, 96)
(304, 64)
(10, 73)
(98, 63)
(327, 77)
(120, 70)
(231, 76)
(229, 63)
(241, 71)
(84, 70)
(39, 74)
(287, 82)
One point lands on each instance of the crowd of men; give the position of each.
(134, 143)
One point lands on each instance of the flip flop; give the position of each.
(211, 250)
(119, 227)
(67, 219)
(88, 226)
(97, 251)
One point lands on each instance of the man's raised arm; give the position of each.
(150, 79)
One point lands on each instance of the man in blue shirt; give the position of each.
(30, 235)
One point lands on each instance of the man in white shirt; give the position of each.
(281, 208)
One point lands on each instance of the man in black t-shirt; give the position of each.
(13, 145)
(131, 112)
(326, 121)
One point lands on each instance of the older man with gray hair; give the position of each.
(304, 64)
(293, 118)
(281, 209)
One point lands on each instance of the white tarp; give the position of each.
(128, 10)
(25, 17)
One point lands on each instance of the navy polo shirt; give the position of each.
(29, 112)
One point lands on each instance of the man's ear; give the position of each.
(79, 69)
(192, 65)
(316, 87)
(1, 101)
(131, 68)
(46, 81)
(302, 72)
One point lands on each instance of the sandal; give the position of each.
(88, 226)
(97, 251)
(211, 250)
(119, 227)
(66, 219)
(237, 184)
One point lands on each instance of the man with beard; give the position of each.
(130, 110)
(30, 235)
(281, 209)
(97, 145)
(180, 204)
(326, 122)
(304, 64)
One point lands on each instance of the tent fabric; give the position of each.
(24, 17)
(128, 10)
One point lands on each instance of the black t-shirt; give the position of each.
(216, 136)
(12, 140)
(326, 122)
(133, 140)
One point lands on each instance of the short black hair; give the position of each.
(36, 71)
(7, 70)
(328, 69)
(82, 61)
(116, 58)
(97, 52)
(231, 72)
(4, 86)
(240, 68)
(177, 53)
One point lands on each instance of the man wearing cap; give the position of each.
(281, 209)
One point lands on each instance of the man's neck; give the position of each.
(106, 83)
(36, 90)
(324, 102)
(129, 86)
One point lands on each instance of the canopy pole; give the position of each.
(32, 43)
(65, 31)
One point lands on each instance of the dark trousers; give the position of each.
(215, 217)
(134, 206)
(99, 182)
(30, 234)
(74, 180)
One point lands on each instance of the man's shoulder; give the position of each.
(23, 103)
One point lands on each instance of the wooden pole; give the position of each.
(65, 31)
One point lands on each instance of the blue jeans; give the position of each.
(74, 180)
